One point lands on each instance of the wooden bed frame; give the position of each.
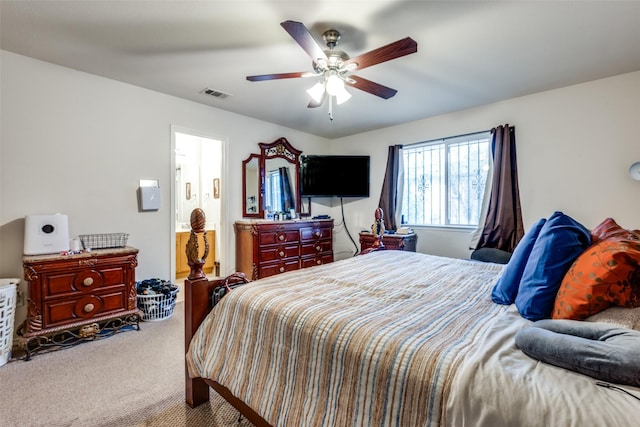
(198, 303)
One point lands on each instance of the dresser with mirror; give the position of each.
(273, 238)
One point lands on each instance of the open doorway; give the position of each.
(197, 183)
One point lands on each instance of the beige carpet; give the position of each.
(134, 378)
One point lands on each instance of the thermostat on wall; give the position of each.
(150, 198)
(46, 234)
(149, 195)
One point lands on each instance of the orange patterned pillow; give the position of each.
(606, 274)
(610, 228)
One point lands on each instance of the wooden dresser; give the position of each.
(401, 242)
(73, 297)
(265, 248)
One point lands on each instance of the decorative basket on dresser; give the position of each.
(74, 298)
(265, 248)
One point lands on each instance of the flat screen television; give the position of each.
(340, 176)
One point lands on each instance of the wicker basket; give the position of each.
(157, 306)
(104, 241)
(8, 292)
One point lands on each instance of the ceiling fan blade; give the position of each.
(314, 104)
(372, 87)
(303, 37)
(391, 51)
(263, 77)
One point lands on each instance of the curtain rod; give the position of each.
(449, 137)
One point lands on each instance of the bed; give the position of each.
(390, 338)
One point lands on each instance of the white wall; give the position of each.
(574, 148)
(78, 144)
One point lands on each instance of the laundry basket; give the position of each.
(156, 299)
(8, 292)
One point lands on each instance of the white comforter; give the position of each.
(498, 385)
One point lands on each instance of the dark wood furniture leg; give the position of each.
(196, 307)
(198, 302)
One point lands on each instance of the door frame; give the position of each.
(221, 233)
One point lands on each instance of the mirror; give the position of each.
(251, 186)
(271, 180)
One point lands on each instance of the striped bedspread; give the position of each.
(374, 340)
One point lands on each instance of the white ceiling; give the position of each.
(469, 53)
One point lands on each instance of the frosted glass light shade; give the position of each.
(316, 91)
(342, 96)
(334, 85)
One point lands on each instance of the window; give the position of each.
(444, 180)
(273, 197)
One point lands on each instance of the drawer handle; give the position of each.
(281, 253)
(318, 248)
(281, 269)
(318, 234)
(281, 237)
(88, 308)
(318, 262)
(88, 282)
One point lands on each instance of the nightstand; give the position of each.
(80, 297)
(398, 242)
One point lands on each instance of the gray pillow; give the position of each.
(599, 350)
(497, 256)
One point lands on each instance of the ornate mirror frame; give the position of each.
(251, 199)
(278, 149)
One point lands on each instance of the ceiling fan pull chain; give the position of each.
(331, 107)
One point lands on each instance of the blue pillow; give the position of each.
(559, 243)
(506, 288)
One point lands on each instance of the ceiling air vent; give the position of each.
(215, 93)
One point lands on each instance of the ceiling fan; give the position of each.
(336, 67)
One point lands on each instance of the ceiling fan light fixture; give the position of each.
(316, 91)
(334, 65)
(342, 96)
(334, 85)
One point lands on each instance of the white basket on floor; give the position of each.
(8, 293)
(157, 306)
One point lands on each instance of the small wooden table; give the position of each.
(398, 242)
(80, 297)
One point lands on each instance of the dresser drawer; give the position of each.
(271, 269)
(55, 285)
(313, 248)
(272, 253)
(68, 310)
(278, 236)
(315, 233)
(316, 260)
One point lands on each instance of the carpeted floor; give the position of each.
(134, 378)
